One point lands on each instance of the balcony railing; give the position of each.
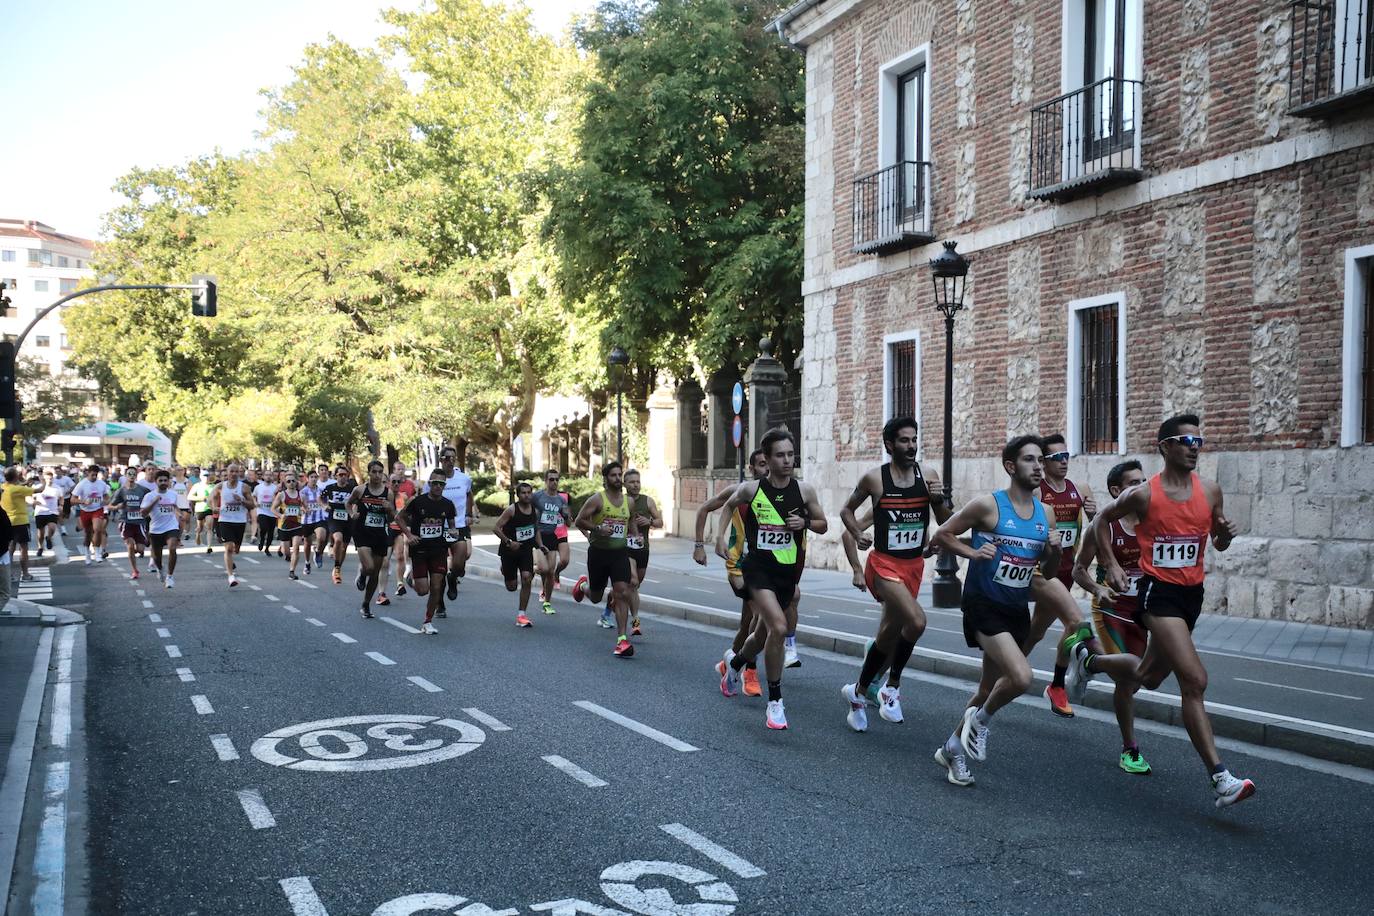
(891, 208)
(1086, 140)
(1331, 59)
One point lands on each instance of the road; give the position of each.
(510, 771)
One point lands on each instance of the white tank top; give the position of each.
(231, 505)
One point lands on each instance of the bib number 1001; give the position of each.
(1013, 573)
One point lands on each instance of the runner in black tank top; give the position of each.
(517, 529)
(901, 500)
(372, 508)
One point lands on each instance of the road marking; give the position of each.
(290, 607)
(651, 733)
(224, 747)
(271, 597)
(1279, 661)
(575, 771)
(202, 705)
(424, 684)
(342, 745)
(140, 593)
(307, 584)
(256, 588)
(379, 658)
(400, 626)
(651, 581)
(704, 591)
(312, 621)
(490, 722)
(14, 787)
(147, 603)
(718, 854)
(172, 651)
(1325, 693)
(302, 897)
(62, 692)
(50, 856)
(155, 618)
(185, 675)
(256, 809)
(249, 559)
(164, 633)
(343, 637)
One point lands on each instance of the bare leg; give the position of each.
(1170, 636)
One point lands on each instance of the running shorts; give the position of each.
(160, 537)
(515, 562)
(428, 561)
(990, 618)
(231, 532)
(1118, 635)
(640, 558)
(378, 540)
(66, 505)
(607, 565)
(736, 583)
(204, 513)
(758, 577)
(88, 518)
(465, 533)
(908, 572)
(341, 526)
(44, 521)
(135, 532)
(1165, 599)
(286, 534)
(551, 539)
(20, 534)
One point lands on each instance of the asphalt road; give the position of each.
(211, 791)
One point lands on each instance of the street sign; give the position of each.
(737, 399)
(737, 431)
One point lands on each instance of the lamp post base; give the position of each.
(946, 590)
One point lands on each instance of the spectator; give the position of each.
(15, 501)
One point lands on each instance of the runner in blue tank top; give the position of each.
(1011, 537)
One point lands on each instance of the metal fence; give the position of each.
(890, 207)
(1331, 51)
(1088, 132)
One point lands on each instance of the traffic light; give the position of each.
(204, 297)
(8, 407)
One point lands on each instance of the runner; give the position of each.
(458, 490)
(47, 511)
(199, 495)
(1113, 613)
(66, 483)
(133, 524)
(554, 517)
(1175, 512)
(402, 490)
(164, 525)
(91, 495)
(429, 517)
(315, 514)
(1011, 536)
(232, 500)
(372, 508)
(15, 501)
(901, 503)
(335, 498)
(643, 517)
(264, 494)
(758, 467)
(289, 508)
(605, 520)
(250, 477)
(776, 510)
(181, 485)
(516, 531)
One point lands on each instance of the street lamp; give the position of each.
(617, 362)
(949, 273)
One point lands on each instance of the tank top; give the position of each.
(549, 507)
(640, 539)
(231, 505)
(619, 517)
(372, 514)
(132, 498)
(766, 535)
(1126, 549)
(1173, 535)
(1067, 506)
(1006, 578)
(292, 509)
(902, 517)
(520, 528)
(264, 493)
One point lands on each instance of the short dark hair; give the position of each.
(163, 473)
(1119, 471)
(1051, 439)
(11, 475)
(374, 461)
(1012, 451)
(1171, 426)
(610, 466)
(772, 438)
(756, 453)
(631, 471)
(896, 425)
(524, 484)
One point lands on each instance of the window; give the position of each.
(62, 260)
(41, 341)
(7, 255)
(40, 286)
(67, 284)
(891, 204)
(902, 375)
(65, 344)
(1357, 363)
(40, 258)
(10, 283)
(1097, 375)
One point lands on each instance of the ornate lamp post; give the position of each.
(949, 273)
(617, 362)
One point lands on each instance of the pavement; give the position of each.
(264, 750)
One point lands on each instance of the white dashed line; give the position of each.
(224, 747)
(575, 771)
(202, 705)
(172, 651)
(312, 621)
(648, 732)
(271, 597)
(147, 603)
(185, 675)
(164, 633)
(256, 588)
(155, 618)
(400, 626)
(253, 806)
(292, 608)
(718, 854)
(379, 658)
(494, 724)
(302, 897)
(140, 593)
(343, 637)
(250, 559)
(424, 684)
(307, 584)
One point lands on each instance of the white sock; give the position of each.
(982, 716)
(789, 641)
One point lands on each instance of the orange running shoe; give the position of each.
(1059, 701)
(751, 683)
(338, 577)
(522, 621)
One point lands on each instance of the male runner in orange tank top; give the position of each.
(1176, 511)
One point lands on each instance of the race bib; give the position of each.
(1132, 583)
(524, 533)
(1014, 572)
(905, 536)
(166, 509)
(340, 514)
(1176, 553)
(431, 530)
(634, 543)
(92, 505)
(375, 520)
(230, 507)
(617, 527)
(1068, 534)
(293, 510)
(549, 517)
(773, 537)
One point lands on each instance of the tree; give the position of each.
(52, 402)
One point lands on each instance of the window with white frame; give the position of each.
(1097, 375)
(1103, 53)
(40, 258)
(7, 254)
(61, 260)
(42, 341)
(40, 286)
(1357, 362)
(67, 284)
(903, 139)
(902, 375)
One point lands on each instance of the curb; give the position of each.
(1346, 746)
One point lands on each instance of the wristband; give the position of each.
(700, 544)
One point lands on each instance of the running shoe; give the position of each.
(890, 705)
(48, 542)
(751, 682)
(548, 607)
(319, 558)
(1230, 790)
(209, 549)
(307, 567)
(858, 709)
(134, 575)
(366, 612)
(410, 580)
(104, 554)
(729, 679)
(452, 588)
(382, 599)
(956, 768)
(442, 612)
(427, 629)
(1078, 675)
(1133, 763)
(170, 583)
(89, 561)
(152, 567)
(233, 581)
(101, 558)
(1059, 702)
(358, 580)
(624, 648)
(40, 551)
(606, 621)
(579, 589)
(522, 621)
(871, 695)
(790, 658)
(338, 576)
(634, 628)
(26, 577)
(972, 736)
(400, 591)
(292, 576)
(777, 716)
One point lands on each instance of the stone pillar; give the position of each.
(689, 395)
(660, 477)
(766, 380)
(720, 451)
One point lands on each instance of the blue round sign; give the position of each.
(737, 399)
(737, 430)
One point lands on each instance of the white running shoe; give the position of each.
(170, 583)
(858, 708)
(777, 716)
(152, 567)
(233, 581)
(890, 705)
(972, 736)
(790, 658)
(89, 561)
(1230, 790)
(1077, 677)
(427, 629)
(956, 768)
(729, 681)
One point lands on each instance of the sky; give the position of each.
(93, 88)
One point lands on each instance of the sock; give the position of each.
(1059, 672)
(1088, 658)
(790, 640)
(1218, 770)
(953, 746)
(774, 691)
(900, 656)
(873, 661)
(1129, 747)
(620, 638)
(737, 662)
(752, 664)
(981, 716)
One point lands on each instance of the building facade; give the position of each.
(1168, 208)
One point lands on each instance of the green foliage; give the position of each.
(52, 403)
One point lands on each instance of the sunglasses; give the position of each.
(1058, 456)
(436, 483)
(1185, 441)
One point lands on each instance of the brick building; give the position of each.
(1168, 207)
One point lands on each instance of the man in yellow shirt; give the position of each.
(14, 499)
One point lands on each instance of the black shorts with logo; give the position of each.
(1165, 599)
(607, 565)
(378, 540)
(231, 532)
(514, 562)
(761, 576)
(982, 615)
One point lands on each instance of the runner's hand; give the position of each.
(721, 552)
(858, 582)
(795, 523)
(1117, 579)
(986, 552)
(1090, 506)
(699, 555)
(864, 541)
(1105, 596)
(1223, 531)
(412, 539)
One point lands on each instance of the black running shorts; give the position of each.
(231, 532)
(343, 527)
(762, 577)
(607, 565)
(428, 561)
(1165, 599)
(990, 618)
(640, 558)
(44, 521)
(135, 532)
(160, 538)
(286, 534)
(551, 539)
(378, 540)
(515, 562)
